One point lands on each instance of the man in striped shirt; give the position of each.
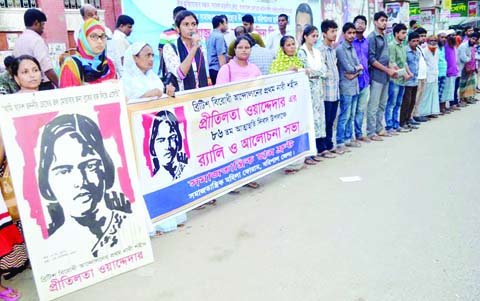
(331, 84)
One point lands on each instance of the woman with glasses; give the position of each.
(90, 64)
(139, 79)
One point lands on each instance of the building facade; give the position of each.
(63, 18)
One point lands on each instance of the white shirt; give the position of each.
(121, 45)
(229, 37)
(422, 65)
(31, 43)
(273, 40)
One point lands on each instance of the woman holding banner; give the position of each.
(139, 79)
(287, 60)
(13, 254)
(316, 71)
(185, 58)
(90, 64)
(240, 69)
(26, 72)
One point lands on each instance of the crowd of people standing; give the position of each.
(394, 83)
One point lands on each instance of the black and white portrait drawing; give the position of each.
(76, 176)
(166, 146)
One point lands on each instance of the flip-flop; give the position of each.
(290, 171)
(201, 207)
(309, 162)
(10, 291)
(327, 154)
(235, 191)
(253, 185)
(212, 203)
(317, 158)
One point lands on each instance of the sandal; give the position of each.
(290, 171)
(340, 150)
(201, 207)
(212, 203)
(316, 158)
(253, 185)
(376, 138)
(10, 295)
(327, 154)
(309, 162)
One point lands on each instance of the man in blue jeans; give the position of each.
(396, 87)
(360, 43)
(330, 84)
(349, 69)
(379, 61)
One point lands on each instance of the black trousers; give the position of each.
(46, 86)
(213, 76)
(408, 104)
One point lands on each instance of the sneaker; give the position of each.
(420, 119)
(404, 129)
(392, 132)
(413, 122)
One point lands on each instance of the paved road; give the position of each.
(409, 230)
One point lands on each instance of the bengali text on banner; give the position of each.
(208, 142)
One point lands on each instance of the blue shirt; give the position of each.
(215, 46)
(413, 58)
(262, 57)
(347, 64)
(361, 47)
(442, 62)
(378, 52)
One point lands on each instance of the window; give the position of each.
(18, 3)
(76, 4)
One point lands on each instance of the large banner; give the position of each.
(69, 152)
(208, 142)
(150, 22)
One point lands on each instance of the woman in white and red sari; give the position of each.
(13, 253)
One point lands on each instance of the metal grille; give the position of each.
(18, 3)
(76, 4)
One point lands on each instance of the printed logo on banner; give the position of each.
(166, 148)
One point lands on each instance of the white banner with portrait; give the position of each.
(70, 155)
(211, 141)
